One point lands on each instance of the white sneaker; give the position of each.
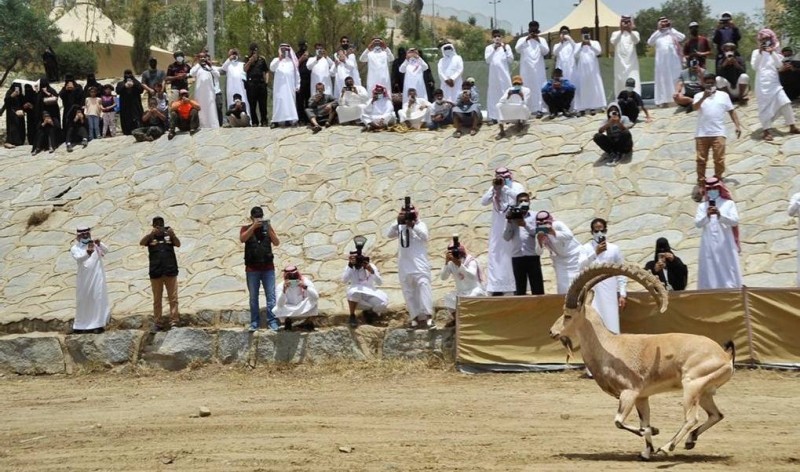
(430, 324)
(414, 324)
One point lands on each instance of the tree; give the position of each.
(24, 34)
(680, 13)
(180, 25)
(788, 19)
(142, 36)
(76, 58)
(472, 44)
(472, 20)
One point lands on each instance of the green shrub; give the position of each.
(77, 59)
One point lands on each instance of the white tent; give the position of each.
(112, 44)
(583, 15)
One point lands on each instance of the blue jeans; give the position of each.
(94, 127)
(265, 278)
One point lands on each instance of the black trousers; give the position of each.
(257, 97)
(621, 143)
(76, 133)
(559, 102)
(528, 269)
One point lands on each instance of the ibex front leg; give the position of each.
(627, 400)
(646, 431)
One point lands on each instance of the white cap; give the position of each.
(694, 23)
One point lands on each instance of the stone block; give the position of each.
(273, 346)
(233, 345)
(106, 349)
(179, 347)
(234, 317)
(32, 354)
(337, 343)
(418, 344)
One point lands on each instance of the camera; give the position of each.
(693, 62)
(601, 240)
(586, 36)
(455, 249)
(498, 181)
(543, 228)
(766, 43)
(408, 209)
(712, 203)
(518, 212)
(728, 54)
(361, 259)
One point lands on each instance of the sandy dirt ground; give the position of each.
(392, 417)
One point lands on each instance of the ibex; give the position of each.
(632, 367)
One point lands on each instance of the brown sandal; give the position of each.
(767, 136)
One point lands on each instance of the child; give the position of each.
(94, 112)
(108, 105)
(76, 120)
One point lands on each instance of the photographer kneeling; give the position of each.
(362, 277)
(297, 299)
(525, 260)
(617, 140)
(465, 271)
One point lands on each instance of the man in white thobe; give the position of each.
(297, 297)
(413, 69)
(532, 49)
(590, 94)
(499, 57)
(285, 84)
(667, 42)
(501, 195)
(465, 271)
(565, 250)
(344, 66)
(772, 99)
(379, 112)
(451, 71)
(378, 58)
(513, 106)
(794, 210)
(413, 268)
(609, 295)
(718, 258)
(626, 61)
(564, 53)
(93, 310)
(206, 78)
(352, 100)
(415, 111)
(362, 277)
(235, 78)
(320, 66)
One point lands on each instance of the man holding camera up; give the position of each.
(689, 84)
(413, 267)
(465, 271)
(614, 136)
(532, 50)
(184, 114)
(565, 250)
(256, 70)
(513, 106)
(362, 277)
(558, 93)
(93, 311)
(667, 43)
(499, 57)
(161, 243)
(731, 77)
(609, 295)
(501, 195)
(710, 136)
(520, 230)
(258, 238)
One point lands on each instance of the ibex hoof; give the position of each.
(644, 457)
(654, 431)
(689, 445)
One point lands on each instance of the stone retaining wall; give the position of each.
(179, 348)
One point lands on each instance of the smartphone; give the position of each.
(587, 37)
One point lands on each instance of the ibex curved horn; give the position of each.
(593, 275)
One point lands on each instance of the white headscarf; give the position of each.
(291, 54)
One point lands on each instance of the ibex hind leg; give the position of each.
(691, 407)
(627, 400)
(714, 417)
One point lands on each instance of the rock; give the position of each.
(346, 449)
(32, 354)
(418, 344)
(106, 349)
(337, 343)
(564, 416)
(204, 412)
(179, 347)
(285, 346)
(233, 345)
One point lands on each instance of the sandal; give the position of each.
(767, 136)
(473, 132)
(794, 130)
(457, 134)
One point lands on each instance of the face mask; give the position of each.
(376, 48)
(235, 58)
(629, 89)
(85, 241)
(711, 89)
(597, 235)
(179, 59)
(449, 53)
(508, 181)
(319, 52)
(439, 101)
(713, 194)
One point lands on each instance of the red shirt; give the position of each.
(185, 110)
